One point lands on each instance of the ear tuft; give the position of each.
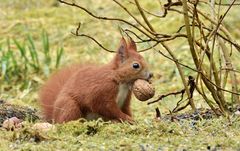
(122, 50)
(132, 45)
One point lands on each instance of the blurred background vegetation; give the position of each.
(36, 39)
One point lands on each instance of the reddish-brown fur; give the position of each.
(91, 92)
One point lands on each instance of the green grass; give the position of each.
(36, 39)
(20, 60)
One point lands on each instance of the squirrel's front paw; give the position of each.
(129, 120)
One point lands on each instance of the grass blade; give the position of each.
(13, 59)
(59, 56)
(21, 49)
(33, 53)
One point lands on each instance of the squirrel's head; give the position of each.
(130, 64)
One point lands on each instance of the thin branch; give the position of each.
(177, 108)
(125, 9)
(143, 16)
(166, 8)
(192, 86)
(236, 45)
(204, 96)
(225, 4)
(177, 61)
(104, 18)
(222, 17)
(168, 94)
(141, 39)
(181, 75)
(229, 69)
(76, 33)
(158, 113)
(221, 27)
(186, 66)
(230, 66)
(152, 46)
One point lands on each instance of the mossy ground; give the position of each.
(18, 19)
(147, 134)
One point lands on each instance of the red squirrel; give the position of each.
(91, 92)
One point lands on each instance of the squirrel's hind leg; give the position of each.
(66, 109)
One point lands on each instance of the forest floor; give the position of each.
(44, 28)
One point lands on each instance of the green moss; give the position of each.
(97, 135)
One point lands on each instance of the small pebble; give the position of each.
(237, 113)
(12, 123)
(43, 126)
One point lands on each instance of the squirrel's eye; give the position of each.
(135, 65)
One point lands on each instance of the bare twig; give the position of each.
(143, 16)
(104, 18)
(76, 33)
(168, 94)
(202, 93)
(172, 55)
(192, 86)
(150, 31)
(177, 108)
(218, 34)
(236, 4)
(149, 48)
(167, 7)
(206, 78)
(181, 75)
(232, 74)
(158, 113)
(221, 27)
(233, 70)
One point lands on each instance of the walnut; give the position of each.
(143, 90)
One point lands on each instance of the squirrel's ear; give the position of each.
(122, 50)
(132, 45)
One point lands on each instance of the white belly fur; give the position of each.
(122, 94)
